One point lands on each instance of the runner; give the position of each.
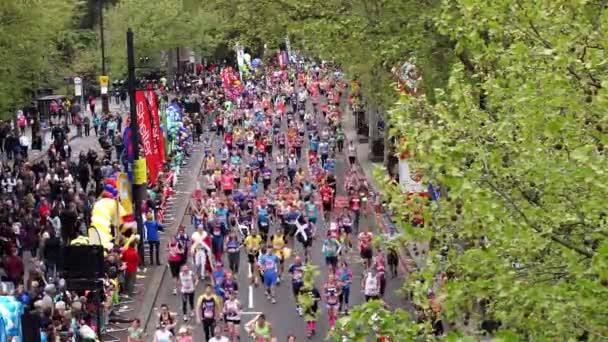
(208, 310)
(331, 250)
(201, 252)
(297, 280)
(332, 292)
(259, 329)
(233, 250)
(311, 311)
(268, 264)
(278, 244)
(369, 286)
(232, 315)
(188, 284)
(252, 245)
(345, 279)
(365, 247)
(175, 251)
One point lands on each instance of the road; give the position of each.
(282, 315)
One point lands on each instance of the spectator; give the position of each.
(131, 259)
(152, 237)
(13, 266)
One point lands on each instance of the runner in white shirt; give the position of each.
(232, 316)
(217, 336)
(200, 252)
(370, 287)
(187, 281)
(162, 334)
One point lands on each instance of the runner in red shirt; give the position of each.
(354, 202)
(327, 196)
(228, 183)
(228, 139)
(365, 246)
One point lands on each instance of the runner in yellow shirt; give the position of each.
(253, 243)
(278, 244)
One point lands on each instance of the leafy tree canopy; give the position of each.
(30, 31)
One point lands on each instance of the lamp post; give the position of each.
(105, 107)
(137, 189)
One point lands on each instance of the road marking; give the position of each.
(251, 313)
(250, 288)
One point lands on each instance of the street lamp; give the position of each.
(137, 189)
(105, 107)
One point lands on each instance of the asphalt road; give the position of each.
(282, 315)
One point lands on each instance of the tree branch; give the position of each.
(534, 226)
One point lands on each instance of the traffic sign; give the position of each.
(104, 80)
(140, 171)
(77, 86)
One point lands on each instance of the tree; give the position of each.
(517, 140)
(515, 136)
(157, 25)
(29, 33)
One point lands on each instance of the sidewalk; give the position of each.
(78, 144)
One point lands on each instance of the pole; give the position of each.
(177, 57)
(137, 189)
(104, 97)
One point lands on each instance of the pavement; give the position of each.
(78, 144)
(282, 315)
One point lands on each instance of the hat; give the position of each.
(50, 288)
(182, 330)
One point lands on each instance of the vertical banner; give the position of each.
(128, 146)
(281, 59)
(409, 182)
(240, 59)
(145, 134)
(288, 47)
(157, 134)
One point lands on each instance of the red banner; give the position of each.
(145, 135)
(159, 138)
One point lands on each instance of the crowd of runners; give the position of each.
(269, 191)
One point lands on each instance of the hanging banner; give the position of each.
(128, 146)
(288, 47)
(140, 171)
(145, 134)
(240, 59)
(409, 182)
(159, 140)
(124, 191)
(281, 59)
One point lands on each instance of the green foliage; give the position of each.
(517, 137)
(157, 26)
(29, 34)
(305, 298)
(372, 320)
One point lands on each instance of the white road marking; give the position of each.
(250, 297)
(250, 289)
(251, 313)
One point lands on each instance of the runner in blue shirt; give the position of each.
(268, 264)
